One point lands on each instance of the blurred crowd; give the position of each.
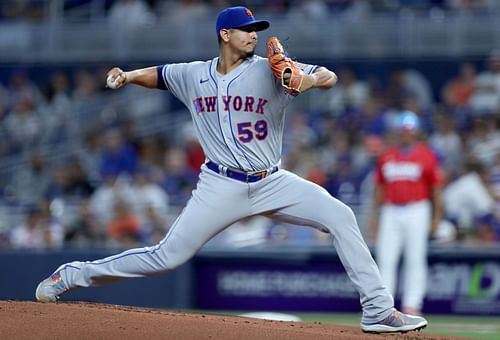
(74, 172)
(118, 185)
(337, 142)
(148, 11)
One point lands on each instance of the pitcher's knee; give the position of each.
(339, 216)
(343, 214)
(348, 214)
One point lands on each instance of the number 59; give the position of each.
(246, 133)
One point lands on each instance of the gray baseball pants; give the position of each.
(219, 201)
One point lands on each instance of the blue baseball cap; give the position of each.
(238, 17)
(408, 120)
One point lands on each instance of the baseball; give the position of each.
(111, 82)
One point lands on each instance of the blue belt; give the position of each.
(240, 175)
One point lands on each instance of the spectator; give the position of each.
(85, 86)
(484, 140)
(78, 185)
(351, 92)
(151, 153)
(23, 123)
(300, 135)
(447, 143)
(58, 184)
(373, 122)
(179, 179)
(148, 200)
(38, 231)
(90, 154)
(124, 229)
(30, 184)
(57, 108)
(142, 103)
(29, 234)
(118, 157)
(486, 97)
(69, 182)
(21, 86)
(458, 91)
(156, 226)
(314, 172)
(87, 100)
(467, 201)
(103, 199)
(408, 83)
(195, 156)
(57, 95)
(51, 219)
(345, 182)
(86, 230)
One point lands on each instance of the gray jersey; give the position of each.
(239, 125)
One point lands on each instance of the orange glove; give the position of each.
(282, 65)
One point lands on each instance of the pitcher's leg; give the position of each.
(290, 198)
(389, 246)
(415, 263)
(200, 220)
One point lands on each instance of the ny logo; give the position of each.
(249, 13)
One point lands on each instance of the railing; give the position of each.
(403, 35)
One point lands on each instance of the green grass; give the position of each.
(486, 328)
(473, 327)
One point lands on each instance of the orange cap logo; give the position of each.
(249, 13)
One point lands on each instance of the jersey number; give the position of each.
(246, 133)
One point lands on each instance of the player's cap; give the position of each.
(238, 17)
(408, 121)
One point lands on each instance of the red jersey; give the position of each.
(409, 175)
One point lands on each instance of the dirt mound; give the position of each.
(34, 320)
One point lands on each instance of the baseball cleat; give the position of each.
(49, 289)
(396, 322)
(411, 311)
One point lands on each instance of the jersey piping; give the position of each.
(231, 124)
(218, 114)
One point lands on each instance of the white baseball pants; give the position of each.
(404, 229)
(216, 203)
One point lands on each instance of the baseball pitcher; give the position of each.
(237, 101)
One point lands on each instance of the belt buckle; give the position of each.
(262, 174)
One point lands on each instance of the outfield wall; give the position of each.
(461, 281)
(21, 272)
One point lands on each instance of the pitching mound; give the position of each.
(34, 320)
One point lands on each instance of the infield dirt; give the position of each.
(62, 320)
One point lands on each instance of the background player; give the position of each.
(237, 106)
(407, 204)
